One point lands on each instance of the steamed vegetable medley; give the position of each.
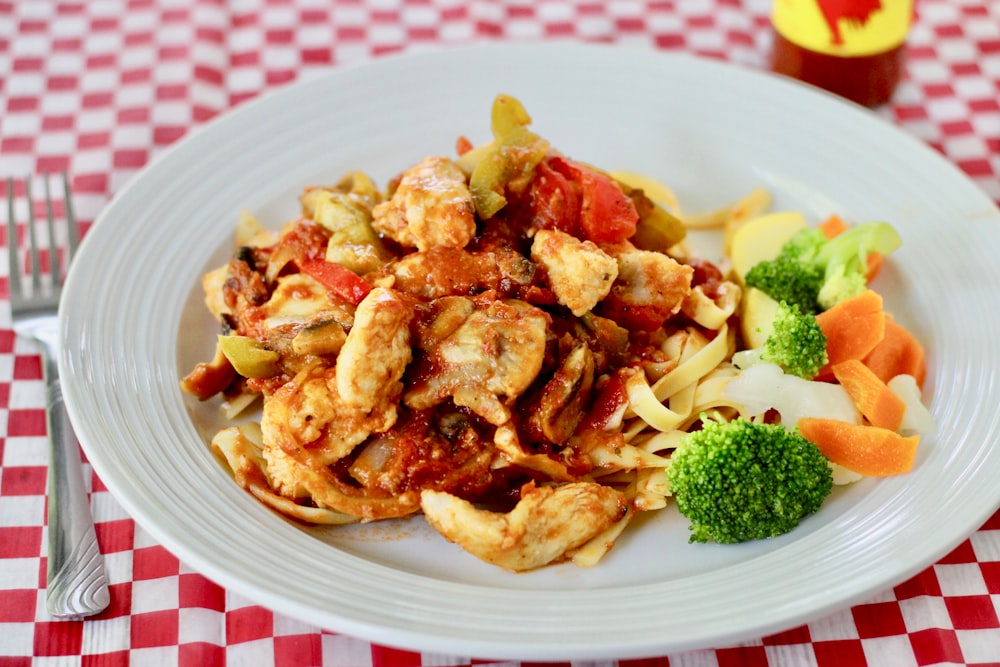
(524, 349)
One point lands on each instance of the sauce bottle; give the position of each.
(854, 48)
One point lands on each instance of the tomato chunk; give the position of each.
(555, 199)
(605, 214)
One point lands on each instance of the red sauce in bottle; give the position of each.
(854, 48)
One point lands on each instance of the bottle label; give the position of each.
(844, 27)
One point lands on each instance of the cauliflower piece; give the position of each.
(917, 419)
(765, 387)
(580, 273)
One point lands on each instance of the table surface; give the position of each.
(97, 88)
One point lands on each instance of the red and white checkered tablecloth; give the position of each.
(98, 87)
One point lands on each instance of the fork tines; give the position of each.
(34, 268)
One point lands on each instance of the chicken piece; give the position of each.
(580, 273)
(298, 301)
(497, 351)
(306, 427)
(441, 272)
(544, 525)
(431, 207)
(375, 354)
(307, 418)
(650, 288)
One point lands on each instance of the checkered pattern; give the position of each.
(99, 87)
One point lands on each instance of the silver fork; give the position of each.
(77, 581)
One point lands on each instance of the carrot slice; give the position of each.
(898, 353)
(853, 328)
(874, 262)
(832, 226)
(879, 404)
(868, 450)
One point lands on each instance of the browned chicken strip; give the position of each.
(545, 524)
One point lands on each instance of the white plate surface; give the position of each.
(134, 322)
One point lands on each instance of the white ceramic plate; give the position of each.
(134, 323)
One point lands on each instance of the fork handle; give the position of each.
(77, 581)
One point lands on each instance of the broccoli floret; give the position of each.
(814, 273)
(805, 246)
(844, 259)
(787, 279)
(797, 344)
(740, 480)
(839, 285)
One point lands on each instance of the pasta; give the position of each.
(508, 341)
